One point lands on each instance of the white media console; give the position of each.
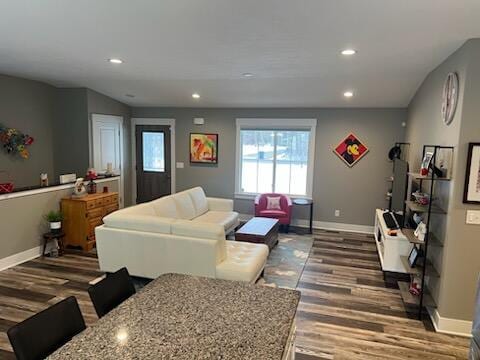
(390, 248)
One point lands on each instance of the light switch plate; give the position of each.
(473, 217)
(180, 165)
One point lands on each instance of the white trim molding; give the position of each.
(20, 257)
(276, 124)
(152, 121)
(450, 326)
(324, 225)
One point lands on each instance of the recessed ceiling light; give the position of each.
(349, 52)
(130, 95)
(247, 74)
(115, 61)
(348, 94)
(196, 96)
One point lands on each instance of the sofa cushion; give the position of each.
(273, 203)
(217, 204)
(165, 207)
(141, 209)
(185, 208)
(198, 230)
(244, 261)
(147, 223)
(199, 200)
(273, 213)
(227, 219)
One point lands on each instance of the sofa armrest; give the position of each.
(217, 204)
(289, 201)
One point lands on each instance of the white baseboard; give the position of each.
(325, 225)
(21, 257)
(450, 326)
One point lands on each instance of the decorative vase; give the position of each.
(92, 187)
(79, 189)
(56, 226)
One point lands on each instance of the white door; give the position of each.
(107, 138)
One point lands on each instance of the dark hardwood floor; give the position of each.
(35, 285)
(346, 311)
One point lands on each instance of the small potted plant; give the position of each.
(55, 219)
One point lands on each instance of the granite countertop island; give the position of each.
(188, 317)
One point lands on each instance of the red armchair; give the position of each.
(283, 212)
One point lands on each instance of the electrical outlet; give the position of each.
(473, 217)
(337, 213)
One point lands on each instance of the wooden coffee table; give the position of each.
(259, 230)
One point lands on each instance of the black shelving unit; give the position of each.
(425, 267)
(404, 147)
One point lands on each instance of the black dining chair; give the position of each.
(40, 335)
(110, 292)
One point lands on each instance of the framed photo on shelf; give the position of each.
(413, 256)
(426, 162)
(471, 193)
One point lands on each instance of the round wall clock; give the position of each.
(450, 97)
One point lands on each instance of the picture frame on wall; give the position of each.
(471, 193)
(351, 149)
(413, 257)
(203, 148)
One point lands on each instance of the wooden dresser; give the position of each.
(83, 215)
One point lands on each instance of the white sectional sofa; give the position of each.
(182, 233)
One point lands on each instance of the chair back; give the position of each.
(110, 292)
(261, 201)
(40, 335)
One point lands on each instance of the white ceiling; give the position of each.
(173, 48)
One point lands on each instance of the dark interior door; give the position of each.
(153, 162)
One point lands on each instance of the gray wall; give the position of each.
(356, 191)
(28, 106)
(21, 218)
(458, 261)
(59, 120)
(71, 132)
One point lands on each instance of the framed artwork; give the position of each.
(426, 162)
(351, 150)
(471, 194)
(412, 257)
(204, 148)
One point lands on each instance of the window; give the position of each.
(153, 151)
(275, 156)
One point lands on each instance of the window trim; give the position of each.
(275, 124)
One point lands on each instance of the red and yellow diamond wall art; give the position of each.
(351, 150)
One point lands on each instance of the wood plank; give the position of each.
(416, 207)
(410, 235)
(369, 323)
(417, 270)
(413, 300)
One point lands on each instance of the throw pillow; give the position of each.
(273, 203)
